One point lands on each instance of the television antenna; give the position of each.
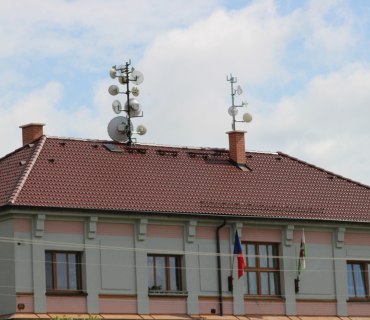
(233, 109)
(120, 128)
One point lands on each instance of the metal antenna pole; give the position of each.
(129, 133)
(232, 81)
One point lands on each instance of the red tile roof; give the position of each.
(85, 174)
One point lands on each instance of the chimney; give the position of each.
(237, 147)
(31, 132)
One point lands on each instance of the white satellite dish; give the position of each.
(135, 107)
(118, 129)
(247, 117)
(113, 72)
(113, 90)
(135, 91)
(117, 107)
(233, 111)
(137, 77)
(141, 130)
(239, 90)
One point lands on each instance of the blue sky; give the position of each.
(304, 67)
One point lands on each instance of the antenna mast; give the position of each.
(233, 109)
(120, 129)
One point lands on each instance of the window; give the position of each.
(357, 279)
(164, 273)
(262, 271)
(63, 271)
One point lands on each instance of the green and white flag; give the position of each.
(302, 255)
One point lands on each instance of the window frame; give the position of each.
(365, 268)
(54, 275)
(258, 269)
(178, 274)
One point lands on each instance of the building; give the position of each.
(146, 232)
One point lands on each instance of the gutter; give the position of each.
(133, 213)
(220, 299)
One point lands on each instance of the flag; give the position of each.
(239, 253)
(302, 255)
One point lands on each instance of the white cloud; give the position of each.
(43, 106)
(330, 37)
(88, 29)
(37, 106)
(325, 123)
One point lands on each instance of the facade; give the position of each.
(93, 227)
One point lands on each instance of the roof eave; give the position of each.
(11, 208)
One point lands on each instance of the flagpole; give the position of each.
(301, 264)
(230, 278)
(232, 266)
(296, 285)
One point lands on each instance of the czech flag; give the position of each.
(239, 253)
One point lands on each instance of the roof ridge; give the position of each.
(27, 171)
(324, 170)
(143, 144)
(262, 152)
(159, 145)
(78, 139)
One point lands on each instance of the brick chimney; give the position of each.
(237, 147)
(31, 132)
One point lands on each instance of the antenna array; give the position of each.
(120, 128)
(233, 109)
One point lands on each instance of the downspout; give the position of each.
(219, 267)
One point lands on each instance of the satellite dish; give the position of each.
(118, 129)
(113, 72)
(135, 91)
(113, 90)
(135, 107)
(117, 107)
(141, 129)
(239, 90)
(233, 111)
(247, 117)
(137, 77)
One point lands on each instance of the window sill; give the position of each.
(359, 300)
(271, 298)
(156, 293)
(66, 293)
